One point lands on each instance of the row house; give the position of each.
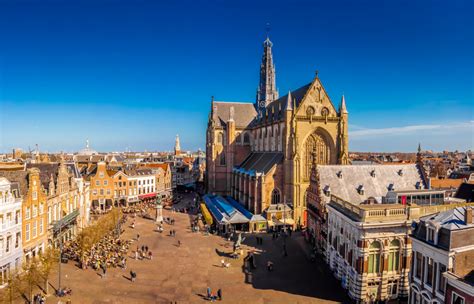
(121, 187)
(34, 221)
(55, 203)
(369, 248)
(164, 179)
(442, 267)
(10, 229)
(67, 200)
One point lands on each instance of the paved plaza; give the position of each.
(181, 274)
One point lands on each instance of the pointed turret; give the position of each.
(267, 91)
(177, 147)
(289, 102)
(342, 107)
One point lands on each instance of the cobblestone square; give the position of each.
(182, 274)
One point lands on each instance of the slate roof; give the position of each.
(261, 162)
(352, 177)
(19, 178)
(280, 104)
(244, 113)
(451, 219)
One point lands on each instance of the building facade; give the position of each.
(443, 250)
(261, 153)
(369, 248)
(10, 230)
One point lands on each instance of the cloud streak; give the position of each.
(412, 129)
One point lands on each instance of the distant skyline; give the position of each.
(133, 74)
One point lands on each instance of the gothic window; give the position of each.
(246, 138)
(394, 255)
(374, 257)
(275, 196)
(322, 153)
(238, 139)
(222, 159)
(220, 138)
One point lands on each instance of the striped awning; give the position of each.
(206, 214)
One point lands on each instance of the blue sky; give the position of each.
(135, 73)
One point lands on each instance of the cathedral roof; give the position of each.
(275, 109)
(244, 113)
(261, 162)
(345, 181)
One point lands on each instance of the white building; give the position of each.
(442, 245)
(10, 229)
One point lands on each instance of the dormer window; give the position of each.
(361, 190)
(327, 190)
(372, 173)
(430, 234)
(418, 185)
(339, 174)
(391, 187)
(400, 172)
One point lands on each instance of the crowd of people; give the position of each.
(110, 251)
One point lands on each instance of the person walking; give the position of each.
(150, 256)
(138, 237)
(208, 293)
(146, 248)
(104, 271)
(179, 243)
(219, 294)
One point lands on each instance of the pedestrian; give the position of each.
(219, 294)
(209, 293)
(270, 266)
(146, 248)
(143, 248)
(104, 271)
(138, 236)
(179, 243)
(150, 256)
(132, 275)
(136, 255)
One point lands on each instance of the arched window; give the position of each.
(394, 255)
(222, 159)
(238, 139)
(275, 196)
(246, 138)
(322, 153)
(374, 257)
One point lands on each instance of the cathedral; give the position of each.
(261, 153)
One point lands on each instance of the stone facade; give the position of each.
(369, 247)
(10, 230)
(261, 153)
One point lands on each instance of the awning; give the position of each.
(148, 195)
(58, 225)
(287, 222)
(206, 214)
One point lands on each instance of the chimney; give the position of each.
(468, 216)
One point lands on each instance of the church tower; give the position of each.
(267, 91)
(177, 148)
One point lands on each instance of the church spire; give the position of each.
(342, 107)
(177, 148)
(267, 91)
(289, 102)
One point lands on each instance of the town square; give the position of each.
(241, 152)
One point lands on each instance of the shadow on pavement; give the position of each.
(294, 273)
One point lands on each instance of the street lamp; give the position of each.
(58, 292)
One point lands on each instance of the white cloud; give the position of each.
(413, 129)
